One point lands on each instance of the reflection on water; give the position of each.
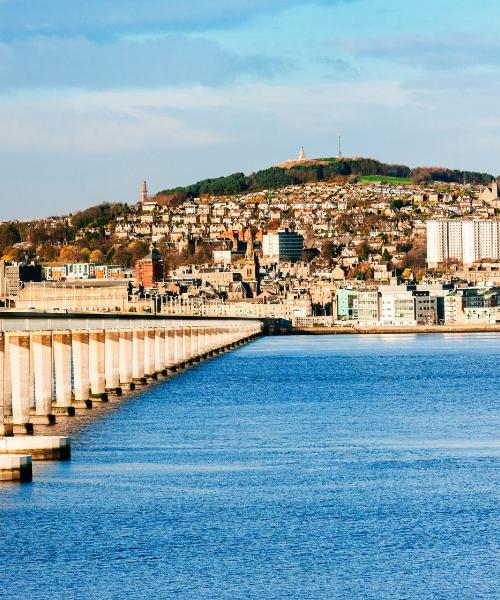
(296, 467)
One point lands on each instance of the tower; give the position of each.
(340, 146)
(251, 265)
(144, 192)
(302, 154)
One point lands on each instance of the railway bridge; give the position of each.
(55, 366)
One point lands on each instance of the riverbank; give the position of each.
(469, 328)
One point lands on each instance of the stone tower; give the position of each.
(302, 154)
(251, 266)
(144, 192)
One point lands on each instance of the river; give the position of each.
(356, 467)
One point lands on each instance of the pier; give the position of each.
(56, 367)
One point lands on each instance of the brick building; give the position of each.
(149, 270)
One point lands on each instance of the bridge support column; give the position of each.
(19, 361)
(5, 400)
(186, 344)
(96, 365)
(160, 351)
(61, 341)
(170, 349)
(194, 345)
(125, 352)
(43, 378)
(112, 361)
(179, 346)
(7, 388)
(149, 353)
(80, 348)
(138, 356)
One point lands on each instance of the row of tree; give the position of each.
(275, 177)
(323, 170)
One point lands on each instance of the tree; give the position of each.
(96, 256)
(138, 250)
(69, 254)
(363, 250)
(9, 235)
(331, 250)
(11, 254)
(308, 254)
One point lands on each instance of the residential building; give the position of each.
(465, 241)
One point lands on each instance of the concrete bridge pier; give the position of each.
(80, 350)
(179, 348)
(160, 352)
(19, 363)
(195, 351)
(125, 356)
(96, 366)
(170, 337)
(42, 370)
(149, 354)
(138, 357)
(5, 392)
(186, 346)
(202, 342)
(112, 362)
(15, 467)
(61, 343)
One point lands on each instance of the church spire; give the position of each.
(249, 239)
(302, 154)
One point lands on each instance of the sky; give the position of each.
(96, 96)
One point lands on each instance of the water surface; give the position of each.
(295, 467)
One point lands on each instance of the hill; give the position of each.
(325, 169)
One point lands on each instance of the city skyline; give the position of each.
(96, 99)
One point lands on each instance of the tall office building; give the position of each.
(462, 240)
(283, 245)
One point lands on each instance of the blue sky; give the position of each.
(96, 96)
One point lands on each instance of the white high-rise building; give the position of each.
(465, 241)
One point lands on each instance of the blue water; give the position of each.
(296, 467)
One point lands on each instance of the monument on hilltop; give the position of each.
(144, 192)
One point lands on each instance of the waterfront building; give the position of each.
(397, 306)
(347, 304)
(473, 305)
(368, 307)
(426, 307)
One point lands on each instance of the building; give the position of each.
(283, 245)
(84, 295)
(465, 241)
(347, 304)
(222, 257)
(14, 276)
(397, 306)
(426, 307)
(149, 270)
(473, 305)
(80, 270)
(368, 307)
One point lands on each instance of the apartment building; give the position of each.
(463, 240)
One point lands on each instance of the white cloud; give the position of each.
(117, 121)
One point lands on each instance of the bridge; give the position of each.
(55, 366)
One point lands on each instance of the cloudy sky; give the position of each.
(98, 95)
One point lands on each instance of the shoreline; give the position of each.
(400, 329)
